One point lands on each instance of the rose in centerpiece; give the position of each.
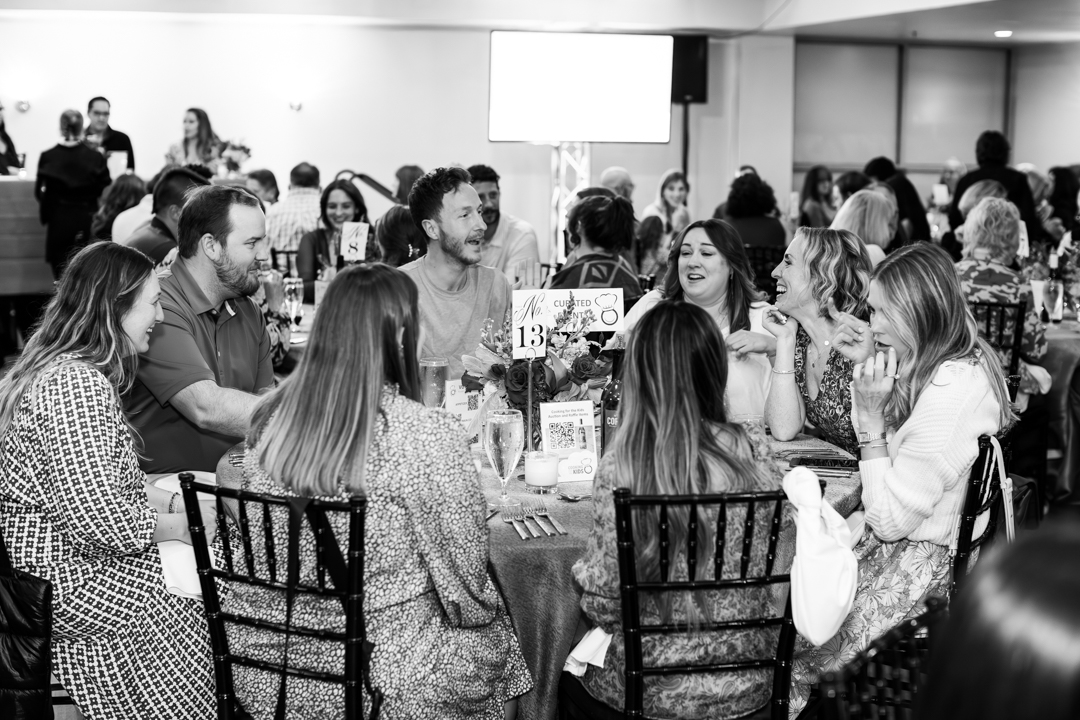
(585, 368)
(516, 382)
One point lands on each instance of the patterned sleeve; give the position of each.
(598, 571)
(1034, 346)
(94, 501)
(447, 514)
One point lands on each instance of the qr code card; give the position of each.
(568, 427)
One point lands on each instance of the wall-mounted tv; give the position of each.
(579, 87)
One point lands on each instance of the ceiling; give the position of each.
(1032, 21)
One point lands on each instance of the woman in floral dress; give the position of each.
(74, 509)
(348, 421)
(674, 439)
(924, 389)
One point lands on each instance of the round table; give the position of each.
(1062, 360)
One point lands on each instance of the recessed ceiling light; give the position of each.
(1003, 33)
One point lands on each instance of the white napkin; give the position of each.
(825, 573)
(178, 558)
(590, 651)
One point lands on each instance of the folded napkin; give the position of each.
(178, 558)
(825, 572)
(590, 651)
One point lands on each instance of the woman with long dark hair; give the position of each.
(816, 208)
(70, 179)
(605, 227)
(346, 422)
(670, 204)
(675, 439)
(125, 192)
(920, 400)
(709, 268)
(400, 241)
(200, 145)
(320, 249)
(74, 508)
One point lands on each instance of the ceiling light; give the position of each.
(1003, 33)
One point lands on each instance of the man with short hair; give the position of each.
(457, 293)
(617, 179)
(197, 384)
(992, 151)
(157, 239)
(102, 137)
(298, 214)
(508, 241)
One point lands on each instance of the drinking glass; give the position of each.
(504, 439)
(294, 300)
(433, 374)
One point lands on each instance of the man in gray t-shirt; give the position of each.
(456, 293)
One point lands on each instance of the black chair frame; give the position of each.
(232, 514)
(764, 260)
(631, 589)
(290, 261)
(992, 319)
(884, 680)
(983, 495)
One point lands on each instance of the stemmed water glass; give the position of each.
(294, 300)
(504, 439)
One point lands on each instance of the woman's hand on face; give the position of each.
(872, 382)
(783, 327)
(851, 336)
(742, 342)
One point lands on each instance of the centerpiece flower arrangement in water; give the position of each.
(573, 369)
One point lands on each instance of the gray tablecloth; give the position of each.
(1062, 360)
(544, 601)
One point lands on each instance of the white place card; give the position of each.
(567, 429)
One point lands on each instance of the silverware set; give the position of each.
(542, 523)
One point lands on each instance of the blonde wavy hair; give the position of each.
(993, 225)
(839, 268)
(871, 216)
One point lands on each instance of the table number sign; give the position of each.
(534, 313)
(567, 429)
(354, 236)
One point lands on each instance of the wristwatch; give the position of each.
(867, 437)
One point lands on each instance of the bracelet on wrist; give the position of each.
(873, 445)
(783, 372)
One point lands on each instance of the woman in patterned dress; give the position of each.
(822, 281)
(74, 509)
(674, 439)
(921, 398)
(348, 421)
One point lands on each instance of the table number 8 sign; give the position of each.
(354, 237)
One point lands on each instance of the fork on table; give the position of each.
(510, 518)
(542, 511)
(529, 512)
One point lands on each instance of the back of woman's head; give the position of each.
(85, 316)
(406, 175)
(353, 192)
(125, 192)
(742, 291)
(994, 226)
(870, 216)
(650, 231)
(928, 312)
(1011, 645)
(315, 430)
(851, 182)
(605, 222)
(839, 268)
(978, 191)
(399, 238)
(750, 196)
(71, 124)
(1064, 196)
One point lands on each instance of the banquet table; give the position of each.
(541, 595)
(1062, 360)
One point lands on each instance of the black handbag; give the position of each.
(25, 633)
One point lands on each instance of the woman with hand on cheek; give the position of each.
(919, 404)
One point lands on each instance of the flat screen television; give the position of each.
(579, 87)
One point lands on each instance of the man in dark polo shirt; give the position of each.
(102, 137)
(157, 239)
(208, 360)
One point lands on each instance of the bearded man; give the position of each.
(210, 358)
(456, 293)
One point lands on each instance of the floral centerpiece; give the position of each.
(234, 154)
(573, 369)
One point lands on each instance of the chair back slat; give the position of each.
(631, 588)
(884, 680)
(982, 496)
(236, 530)
(1002, 325)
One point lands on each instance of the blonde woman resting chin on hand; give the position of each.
(920, 401)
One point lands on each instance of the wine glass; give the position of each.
(504, 439)
(294, 300)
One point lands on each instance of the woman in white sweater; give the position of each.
(924, 391)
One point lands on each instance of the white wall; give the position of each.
(1046, 105)
(373, 99)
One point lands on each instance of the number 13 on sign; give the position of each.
(529, 325)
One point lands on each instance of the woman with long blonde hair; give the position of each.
(675, 439)
(74, 508)
(349, 421)
(922, 395)
(873, 217)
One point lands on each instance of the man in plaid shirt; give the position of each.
(298, 214)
